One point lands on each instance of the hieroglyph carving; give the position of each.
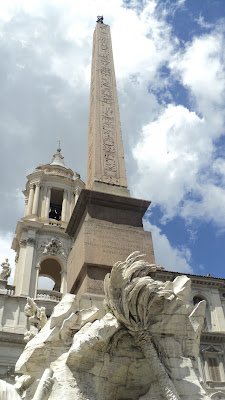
(102, 117)
(108, 126)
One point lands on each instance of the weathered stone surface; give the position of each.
(106, 228)
(90, 335)
(146, 350)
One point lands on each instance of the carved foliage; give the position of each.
(54, 247)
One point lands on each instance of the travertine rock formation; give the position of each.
(144, 347)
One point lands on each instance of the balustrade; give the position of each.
(49, 295)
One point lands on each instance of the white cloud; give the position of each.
(176, 153)
(168, 157)
(201, 69)
(171, 258)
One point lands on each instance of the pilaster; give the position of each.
(25, 265)
(217, 314)
(43, 200)
(30, 199)
(63, 288)
(64, 205)
(68, 208)
(36, 198)
(47, 203)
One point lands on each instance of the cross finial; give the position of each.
(100, 19)
(59, 147)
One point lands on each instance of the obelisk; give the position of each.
(106, 223)
(105, 162)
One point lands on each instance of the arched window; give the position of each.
(56, 204)
(51, 269)
(218, 396)
(207, 321)
(44, 282)
(197, 299)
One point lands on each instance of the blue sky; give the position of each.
(170, 68)
(203, 237)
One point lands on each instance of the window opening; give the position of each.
(197, 300)
(51, 269)
(56, 204)
(214, 369)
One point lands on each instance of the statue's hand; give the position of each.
(48, 383)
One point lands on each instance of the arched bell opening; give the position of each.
(44, 282)
(49, 283)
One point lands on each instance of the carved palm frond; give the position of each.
(131, 293)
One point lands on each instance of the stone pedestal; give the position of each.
(106, 228)
(3, 284)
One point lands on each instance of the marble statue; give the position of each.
(37, 316)
(6, 270)
(54, 246)
(144, 346)
(11, 392)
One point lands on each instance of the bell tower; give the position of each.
(41, 244)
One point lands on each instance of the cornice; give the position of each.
(213, 336)
(12, 337)
(196, 279)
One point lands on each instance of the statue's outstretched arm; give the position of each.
(44, 386)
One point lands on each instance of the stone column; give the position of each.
(77, 193)
(20, 266)
(26, 204)
(72, 203)
(217, 315)
(40, 202)
(37, 270)
(36, 199)
(43, 201)
(68, 212)
(64, 205)
(30, 199)
(63, 288)
(2, 309)
(47, 204)
(24, 278)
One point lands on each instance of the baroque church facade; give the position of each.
(74, 233)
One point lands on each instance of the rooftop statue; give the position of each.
(144, 346)
(6, 270)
